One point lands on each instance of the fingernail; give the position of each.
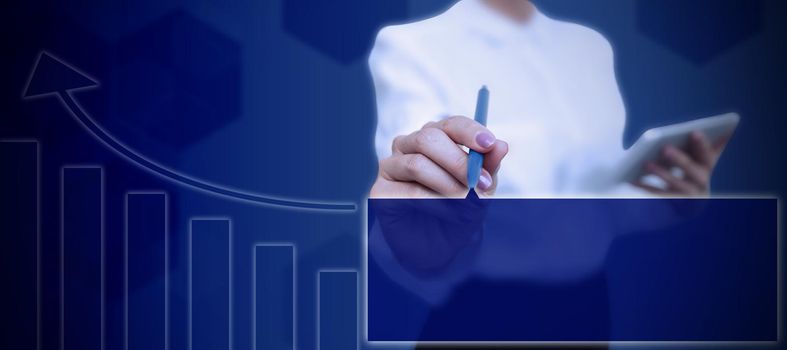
(485, 139)
(484, 182)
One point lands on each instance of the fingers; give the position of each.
(433, 159)
(674, 183)
(701, 149)
(694, 171)
(467, 132)
(696, 163)
(486, 182)
(438, 147)
(651, 188)
(495, 156)
(705, 152)
(418, 168)
(394, 145)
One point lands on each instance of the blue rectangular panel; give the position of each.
(82, 244)
(338, 305)
(210, 284)
(273, 296)
(573, 270)
(19, 242)
(145, 270)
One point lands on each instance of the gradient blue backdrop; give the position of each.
(275, 97)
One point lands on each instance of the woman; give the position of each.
(555, 102)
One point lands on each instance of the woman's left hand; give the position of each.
(696, 164)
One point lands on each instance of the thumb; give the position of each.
(494, 157)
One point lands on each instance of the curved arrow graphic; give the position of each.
(53, 77)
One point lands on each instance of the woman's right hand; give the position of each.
(431, 163)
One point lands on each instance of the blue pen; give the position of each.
(476, 160)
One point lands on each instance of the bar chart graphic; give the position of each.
(274, 295)
(337, 324)
(21, 240)
(112, 274)
(146, 273)
(82, 265)
(146, 214)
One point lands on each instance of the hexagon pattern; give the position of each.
(343, 30)
(178, 71)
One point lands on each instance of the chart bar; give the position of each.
(146, 282)
(210, 284)
(82, 275)
(20, 242)
(337, 309)
(273, 296)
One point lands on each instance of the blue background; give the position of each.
(275, 97)
(708, 276)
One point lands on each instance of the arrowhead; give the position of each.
(51, 75)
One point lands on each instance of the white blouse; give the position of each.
(554, 95)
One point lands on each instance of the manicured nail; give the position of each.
(484, 182)
(485, 139)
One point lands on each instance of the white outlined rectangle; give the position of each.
(779, 297)
(318, 326)
(37, 233)
(294, 290)
(102, 302)
(190, 278)
(165, 231)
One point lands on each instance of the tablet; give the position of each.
(650, 144)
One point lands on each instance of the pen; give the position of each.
(476, 160)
